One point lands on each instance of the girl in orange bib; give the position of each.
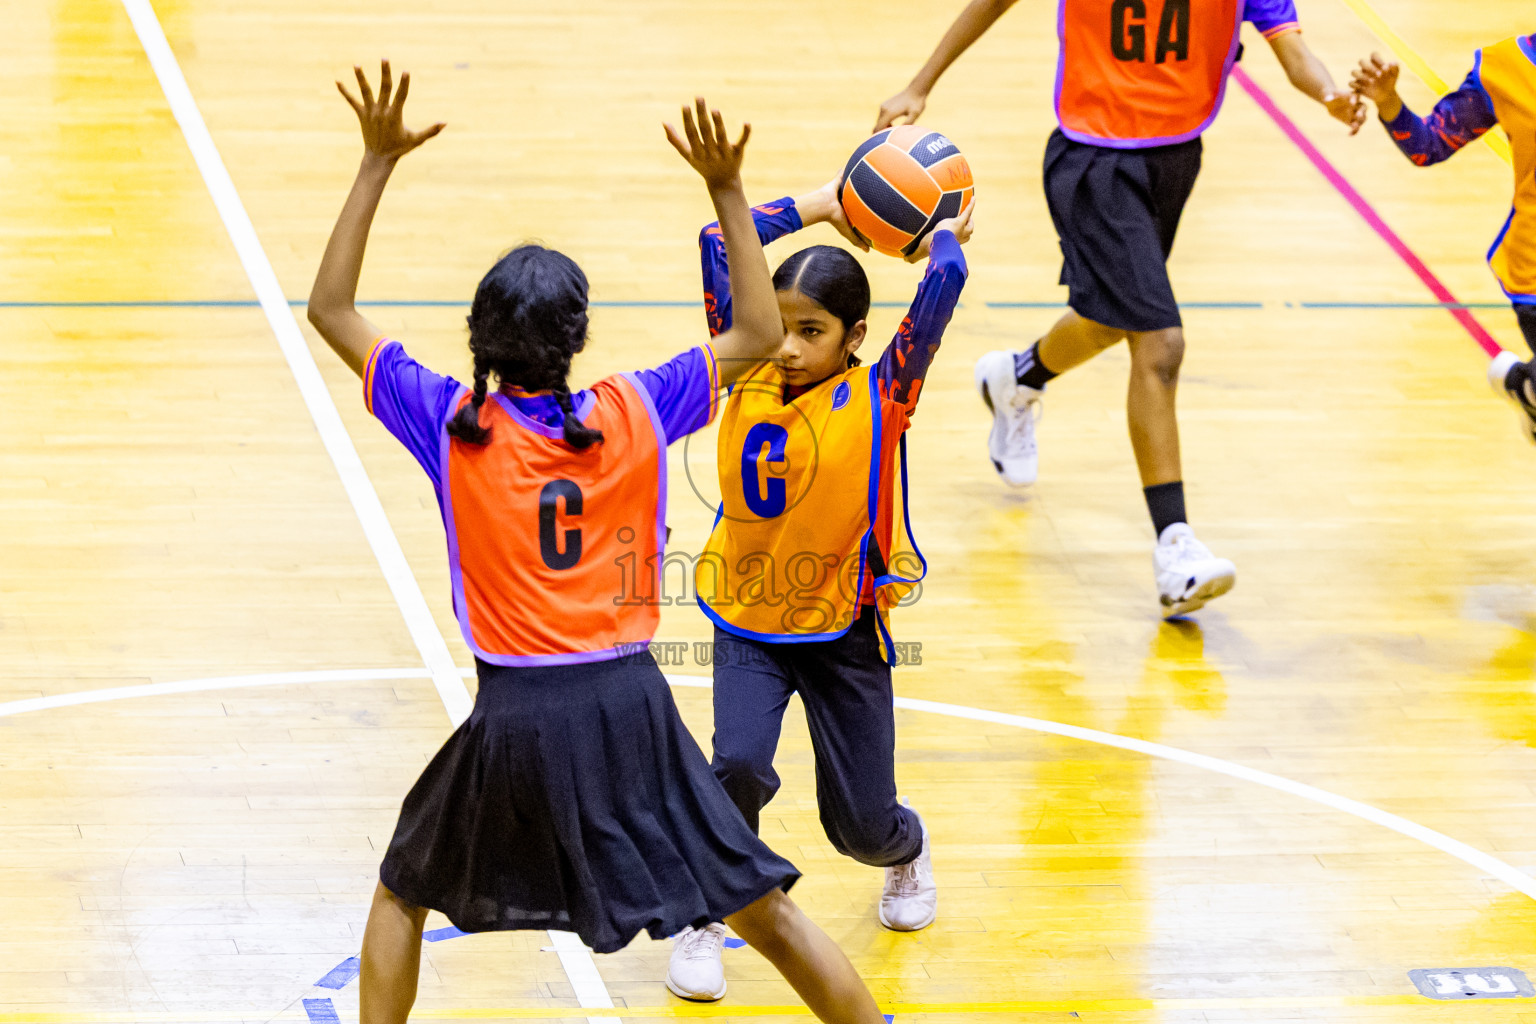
(573, 797)
(811, 549)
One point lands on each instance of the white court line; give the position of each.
(333, 434)
(1511, 876)
(346, 675)
(338, 444)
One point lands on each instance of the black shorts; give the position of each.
(1116, 212)
(1526, 314)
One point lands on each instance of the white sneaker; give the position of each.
(1015, 408)
(910, 900)
(1498, 371)
(695, 971)
(1188, 575)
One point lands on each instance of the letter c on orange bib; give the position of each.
(1140, 73)
(555, 552)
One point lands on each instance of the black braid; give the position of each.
(577, 434)
(465, 424)
(528, 319)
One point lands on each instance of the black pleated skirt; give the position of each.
(574, 798)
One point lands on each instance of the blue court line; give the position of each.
(1402, 305)
(396, 303)
(1182, 305)
(690, 304)
(341, 974)
(321, 1011)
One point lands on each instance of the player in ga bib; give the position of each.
(1499, 90)
(572, 796)
(1137, 83)
(811, 549)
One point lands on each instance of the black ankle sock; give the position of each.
(1029, 370)
(1166, 503)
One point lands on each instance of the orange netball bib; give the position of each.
(544, 539)
(1507, 71)
(1139, 73)
(811, 508)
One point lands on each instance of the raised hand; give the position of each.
(959, 225)
(1347, 107)
(908, 104)
(707, 148)
(1376, 80)
(835, 215)
(381, 118)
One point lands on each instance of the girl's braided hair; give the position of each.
(528, 319)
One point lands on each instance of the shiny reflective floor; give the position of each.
(169, 514)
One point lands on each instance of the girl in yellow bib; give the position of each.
(811, 549)
(1501, 89)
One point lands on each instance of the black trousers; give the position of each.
(1526, 314)
(845, 686)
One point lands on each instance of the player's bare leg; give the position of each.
(1151, 404)
(391, 959)
(809, 960)
(1073, 340)
(1188, 575)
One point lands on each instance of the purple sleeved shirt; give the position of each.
(905, 361)
(414, 403)
(1272, 18)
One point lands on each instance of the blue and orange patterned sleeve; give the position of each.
(1273, 18)
(905, 361)
(685, 390)
(774, 221)
(411, 401)
(1459, 118)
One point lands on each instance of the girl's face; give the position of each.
(816, 344)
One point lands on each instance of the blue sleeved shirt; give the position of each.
(1459, 118)
(904, 363)
(773, 221)
(414, 403)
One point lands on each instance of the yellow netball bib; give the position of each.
(812, 520)
(1508, 73)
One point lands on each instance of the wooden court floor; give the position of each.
(169, 514)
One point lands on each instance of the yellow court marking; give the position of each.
(716, 1010)
(906, 1009)
(1419, 66)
